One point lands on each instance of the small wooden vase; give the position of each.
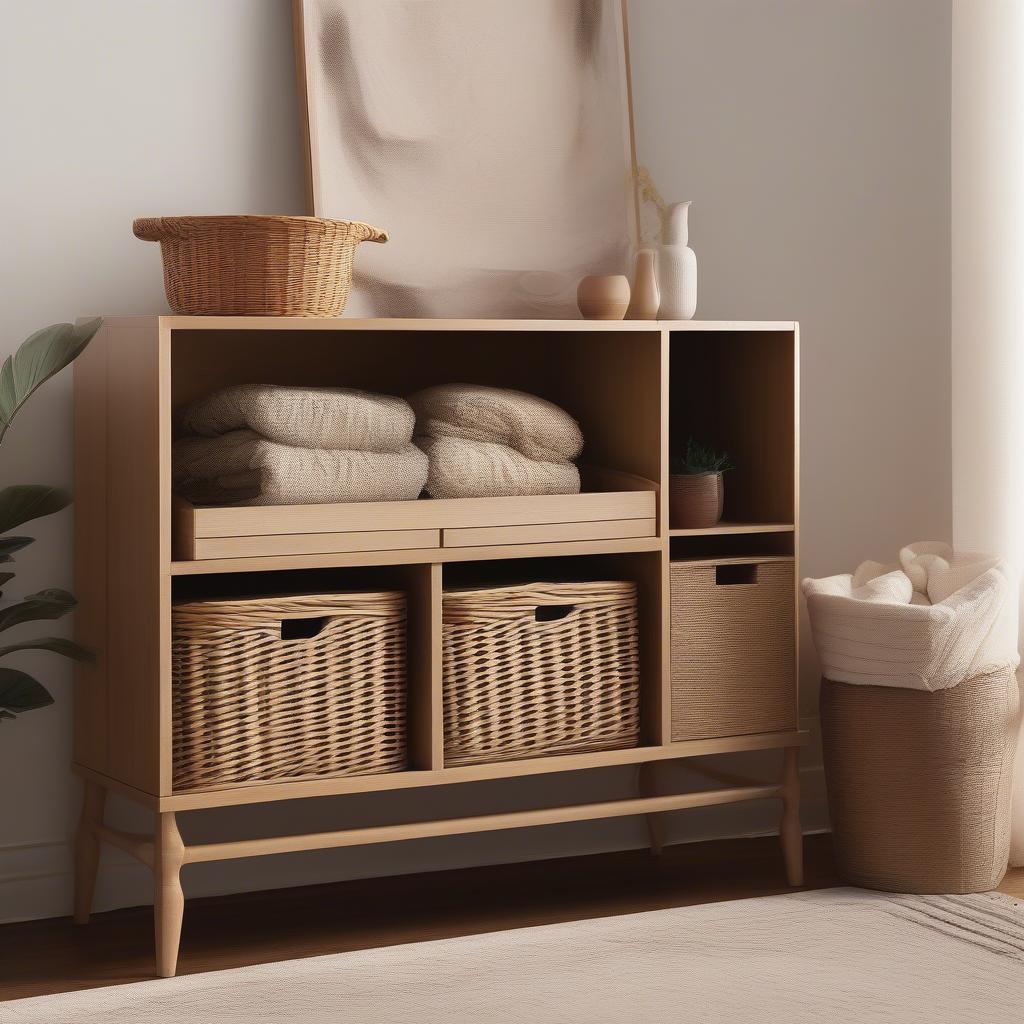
(603, 297)
(645, 298)
(695, 500)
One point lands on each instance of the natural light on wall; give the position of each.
(987, 171)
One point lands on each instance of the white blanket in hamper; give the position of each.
(243, 468)
(927, 623)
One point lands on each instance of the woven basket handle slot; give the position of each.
(552, 612)
(304, 629)
(735, 575)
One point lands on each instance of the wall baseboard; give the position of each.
(36, 878)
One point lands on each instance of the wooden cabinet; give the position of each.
(633, 386)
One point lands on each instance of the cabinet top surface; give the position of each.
(208, 323)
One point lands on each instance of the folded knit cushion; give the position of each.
(461, 468)
(532, 426)
(305, 417)
(243, 468)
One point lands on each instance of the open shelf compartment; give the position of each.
(735, 392)
(609, 381)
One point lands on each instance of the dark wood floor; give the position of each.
(40, 957)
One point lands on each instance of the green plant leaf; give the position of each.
(698, 458)
(8, 545)
(47, 604)
(24, 502)
(20, 692)
(38, 358)
(54, 644)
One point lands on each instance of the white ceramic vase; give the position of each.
(677, 267)
(645, 297)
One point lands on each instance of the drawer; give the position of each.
(473, 537)
(733, 647)
(314, 543)
(202, 532)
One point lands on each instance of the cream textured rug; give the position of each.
(832, 956)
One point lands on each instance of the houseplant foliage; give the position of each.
(696, 489)
(697, 458)
(39, 357)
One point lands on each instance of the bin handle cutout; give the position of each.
(303, 629)
(552, 612)
(735, 575)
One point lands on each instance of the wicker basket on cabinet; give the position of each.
(285, 687)
(540, 669)
(257, 266)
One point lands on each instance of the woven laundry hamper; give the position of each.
(919, 782)
(540, 669)
(287, 687)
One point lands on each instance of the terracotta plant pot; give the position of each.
(695, 500)
(603, 297)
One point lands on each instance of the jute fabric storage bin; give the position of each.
(733, 630)
(257, 266)
(536, 669)
(919, 782)
(285, 687)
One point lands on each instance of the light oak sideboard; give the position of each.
(631, 385)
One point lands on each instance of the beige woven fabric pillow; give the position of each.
(532, 426)
(243, 468)
(305, 417)
(461, 468)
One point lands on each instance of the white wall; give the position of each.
(988, 295)
(813, 139)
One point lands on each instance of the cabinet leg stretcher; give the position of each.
(166, 853)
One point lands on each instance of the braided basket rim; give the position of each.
(156, 229)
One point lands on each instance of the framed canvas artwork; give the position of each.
(491, 139)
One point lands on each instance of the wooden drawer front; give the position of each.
(314, 543)
(442, 513)
(733, 648)
(253, 531)
(483, 536)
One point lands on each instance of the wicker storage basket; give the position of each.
(282, 687)
(546, 668)
(733, 628)
(257, 266)
(919, 783)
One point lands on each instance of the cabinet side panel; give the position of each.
(796, 517)
(120, 541)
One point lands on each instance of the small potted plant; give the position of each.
(696, 487)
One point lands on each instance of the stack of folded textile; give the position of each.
(267, 444)
(493, 442)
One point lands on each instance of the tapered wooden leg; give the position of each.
(645, 787)
(789, 829)
(87, 849)
(169, 900)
